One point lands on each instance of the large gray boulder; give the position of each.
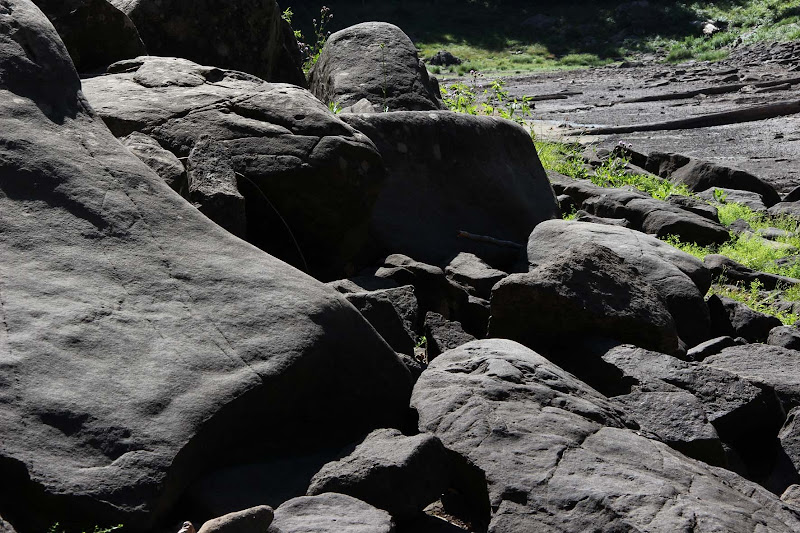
(399, 474)
(330, 513)
(452, 173)
(581, 293)
(253, 520)
(247, 35)
(681, 279)
(140, 343)
(558, 456)
(375, 61)
(95, 32)
(309, 180)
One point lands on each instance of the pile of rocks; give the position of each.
(461, 359)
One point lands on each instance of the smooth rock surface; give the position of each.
(139, 340)
(253, 520)
(330, 513)
(681, 279)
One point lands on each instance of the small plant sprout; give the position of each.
(334, 107)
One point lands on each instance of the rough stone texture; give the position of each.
(735, 319)
(640, 211)
(393, 314)
(163, 162)
(681, 279)
(247, 35)
(442, 335)
(790, 437)
(558, 456)
(710, 347)
(253, 520)
(785, 336)
(700, 175)
(212, 188)
(472, 273)
(5, 527)
(330, 513)
(792, 495)
(773, 366)
(586, 291)
(722, 266)
(399, 474)
(95, 32)
(745, 414)
(306, 176)
(376, 61)
(450, 172)
(679, 419)
(139, 340)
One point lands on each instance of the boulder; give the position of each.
(679, 419)
(785, 336)
(443, 58)
(161, 161)
(694, 205)
(442, 335)
(587, 291)
(699, 175)
(376, 61)
(393, 314)
(734, 272)
(451, 173)
(710, 347)
(399, 474)
(5, 527)
(330, 513)
(309, 181)
(212, 187)
(247, 35)
(791, 209)
(792, 495)
(790, 437)
(681, 279)
(253, 520)
(140, 341)
(472, 273)
(558, 456)
(95, 32)
(750, 199)
(772, 366)
(735, 319)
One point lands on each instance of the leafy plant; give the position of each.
(496, 100)
(334, 107)
(56, 528)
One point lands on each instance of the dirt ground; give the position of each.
(744, 112)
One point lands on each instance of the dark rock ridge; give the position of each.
(140, 343)
(559, 455)
(308, 179)
(247, 35)
(450, 173)
(375, 61)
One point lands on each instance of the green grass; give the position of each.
(490, 35)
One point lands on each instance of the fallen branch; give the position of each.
(720, 89)
(490, 240)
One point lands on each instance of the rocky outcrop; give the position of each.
(309, 181)
(95, 32)
(140, 343)
(572, 461)
(680, 279)
(247, 35)
(375, 61)
(450, 173)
